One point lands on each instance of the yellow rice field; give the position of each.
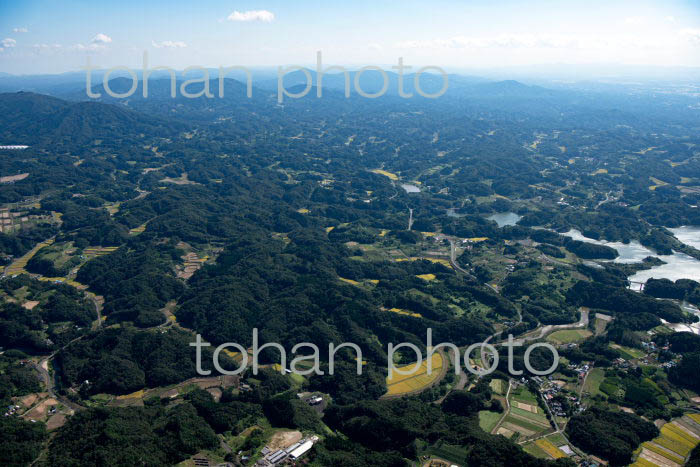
(398, 384)
(18, 266)
(390, 175)
(549, 448)
(134, 395)
(405, 312)
(426, 277)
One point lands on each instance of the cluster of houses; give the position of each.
(286, 456)
(581, 370)
(11, 410)
(622, 363)
(549, 390)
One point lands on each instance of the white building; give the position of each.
(301, 450)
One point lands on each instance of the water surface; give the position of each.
(678, 265)
(505, 218)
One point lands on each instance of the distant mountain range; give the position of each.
(34, 119)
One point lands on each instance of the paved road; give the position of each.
(43, 369)
(546, 330)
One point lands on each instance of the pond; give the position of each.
(505, 218)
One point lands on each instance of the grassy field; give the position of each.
(448, 452)
(535, 451)
(533, 427)
(498, 386)
(596, 376)
(398, 384)
(523, 395)
(534, 417)
(488, 420)
(569, 336)
(628, 353)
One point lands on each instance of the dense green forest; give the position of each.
(144, 224)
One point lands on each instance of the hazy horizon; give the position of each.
(37, 37)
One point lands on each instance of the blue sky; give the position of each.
(55, 36)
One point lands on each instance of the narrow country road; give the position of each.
(550, 328)
(506, 411)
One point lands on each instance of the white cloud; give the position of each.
(375, 47)
(543, 41)
(691, 35)
(670, 19)
(101, 39)
(91, 47)
(503, 40)
(7, 43)
(20, 30)
(252, 15)
(46, 46)
(169, 45)
(636, 20)
(99, 42)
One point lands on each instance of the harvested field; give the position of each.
(528, 407)
(56, 421)
(505, 432)
(40, 411)
(13, 178)
(520, 429)
(283, 439)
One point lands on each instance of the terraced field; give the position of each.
(673, 446)
(524, 417)
(17, 267)
(399, 385)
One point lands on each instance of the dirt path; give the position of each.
(505, 412)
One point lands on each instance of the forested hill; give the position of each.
(130, 225)
(38, 120)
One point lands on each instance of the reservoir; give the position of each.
(678, 265)
(505, 218)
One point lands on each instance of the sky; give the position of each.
(51, 36)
